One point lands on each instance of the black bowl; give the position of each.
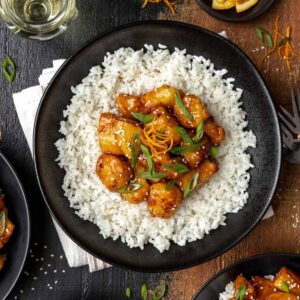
(262, 265)
(17, 247)
(262, 120)
(232, 16)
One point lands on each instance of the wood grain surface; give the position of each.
(280, 233)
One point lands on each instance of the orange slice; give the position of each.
(223, 4)
(243, 5)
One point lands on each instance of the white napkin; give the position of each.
(26, 103)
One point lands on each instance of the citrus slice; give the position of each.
(243, 5)
(223, 4)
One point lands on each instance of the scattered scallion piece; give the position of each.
(127, 292)
(159, 292)
(241, 293)
(283, 286)
(283, 41)
(176, 167)
(170, 184)
(181, 131)
(213, 151)
(135, 149)
(184, 149)
(144, 291)
(143, 118)
(130, 189)
(199, 132)
(181, 106)
(9, 69)
(191, 185)
(264, 36)
(2, 222)
(153, 175)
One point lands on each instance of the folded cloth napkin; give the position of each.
(26, 103)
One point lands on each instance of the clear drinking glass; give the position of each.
(38, 19)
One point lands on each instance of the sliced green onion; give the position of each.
(170, 184)
(2, 222)
(184, 135)
(159, 291)
(153, 175)
(144, 292)
(181, 106)
(135, 150)
(184, 149)
(283, 41)
(128, 293)
(148, 158)
(176, 167)
(283, 286)
(241, 293)
(213, 151)
(130, 189)
(143, 118)
(9, 69)
(191, 186)
(199, 132)
(264, 36)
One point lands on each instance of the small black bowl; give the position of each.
(262, 265)
(17, 247)
(232, 16)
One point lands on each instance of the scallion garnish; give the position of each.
(135, 149)
(151, 174)
(181, 131)
(241, 293)
(2, 222)
(170, 184)
(176, 167)
(191, 185)
(283, 286)
(159, 292)
(264, 36)
(143, 118)
(283, 41)
(127, 292)
(130, 189)
(9, 69)
(199, 133)
(144, 291)
(184, 149)
(213, 151)
(181, 106)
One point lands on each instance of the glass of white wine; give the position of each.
(38, 19)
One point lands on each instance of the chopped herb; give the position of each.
(9, 69)
(213, 151)
(283, 41)
(184, 149)
(159, 292)
(264, 36)
(181, 106)
(241, 293)
(144, 291)
(283, 286)
(143, 118)
(170, 184)
(128, 293)
(151, 174)
(199, 132)
(130, 189)
(184, 135)
(191, 185)
(2, 222)
(176, 167)
(135, 149)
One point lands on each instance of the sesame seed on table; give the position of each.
(46, 274)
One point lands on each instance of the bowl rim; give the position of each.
(28, 220)
(241, 261)
(240, 18)
(273, 110)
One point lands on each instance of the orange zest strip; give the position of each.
(157, 141)
(286, 51)
(167, 2)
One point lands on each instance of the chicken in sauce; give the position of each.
(159, 150)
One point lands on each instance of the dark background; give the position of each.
(46, 274)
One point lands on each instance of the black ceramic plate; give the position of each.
(232, 16)
(262, 120)
(17, 247)
(262, 265)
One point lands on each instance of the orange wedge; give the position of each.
(223, 4)
(243, 5)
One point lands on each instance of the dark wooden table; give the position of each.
(46, 274)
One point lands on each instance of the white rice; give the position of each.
(136, 72)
